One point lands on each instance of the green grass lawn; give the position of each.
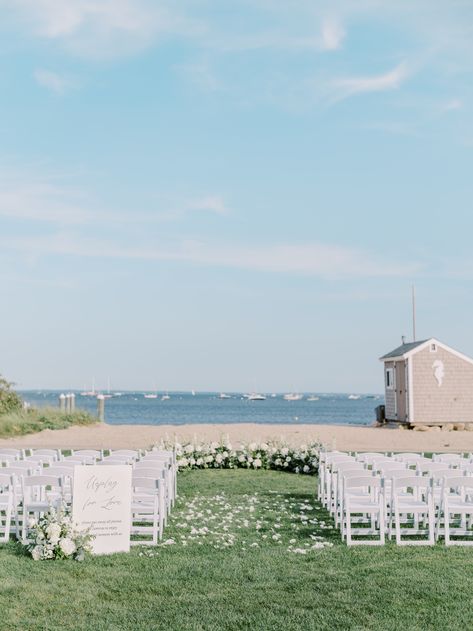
(251, 551)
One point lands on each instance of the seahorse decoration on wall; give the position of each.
(439, 371)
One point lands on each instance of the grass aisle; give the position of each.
(244, 550)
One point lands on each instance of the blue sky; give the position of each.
(229, 196)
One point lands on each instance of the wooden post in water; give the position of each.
(101, 407)
(62, 402)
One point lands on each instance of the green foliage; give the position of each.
(197, 587)
(35, 420)
(10, 401)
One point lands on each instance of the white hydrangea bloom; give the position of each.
(67, 546)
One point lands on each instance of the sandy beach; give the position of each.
(333, 436)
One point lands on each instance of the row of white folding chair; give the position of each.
(365, 495)
(6, 505)
(415, 494)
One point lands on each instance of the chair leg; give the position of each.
(446, 519)
(382, 536)
(348, 525)
(431, 521)
(397, 522)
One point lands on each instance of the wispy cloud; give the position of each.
(391, 80)
(33, 198)
(52, 81)
(101, 28)
(310, 259)
(333, 34)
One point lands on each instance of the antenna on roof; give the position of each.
(413, 313)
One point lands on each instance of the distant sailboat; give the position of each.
(254, 396)
(354, 397)
(222, 395)
(312, 398)
(150, 396)
(293, 397)
(165, 397)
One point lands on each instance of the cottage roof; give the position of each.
(400, 351)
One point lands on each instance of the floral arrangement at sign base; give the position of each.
(53, 536)
(267, 455)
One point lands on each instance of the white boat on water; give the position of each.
(222, 395)
(313, 398)
(293, 397)
(354, 397)
(150, 396)
(254, 396)
(165, 397)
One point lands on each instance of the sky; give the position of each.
(232, 195)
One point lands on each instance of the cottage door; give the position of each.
(401, 391)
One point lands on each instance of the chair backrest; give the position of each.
(450, 458)
(42, 480)
(411, 482)
(24, 464)
(431, 467)
(155, 474)
(459, 483)
(110, 460)
(438, 475)
(54, 453)
(158, 456)
(60, 471)
(369, 455)
(386, 468)
(363, 481)
(151, 464)
(408, 456)
(18, 472)
(68, 464)
(79, 459)
(150, 484)
(91, 453)
(131, 453)
(13, 453)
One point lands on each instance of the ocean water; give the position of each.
(206, 407)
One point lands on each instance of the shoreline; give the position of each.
(343, 437)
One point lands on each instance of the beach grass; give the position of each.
(196, 583)
(23, 422)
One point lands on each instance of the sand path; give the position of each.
(333, 436)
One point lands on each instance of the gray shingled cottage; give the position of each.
(428, 383)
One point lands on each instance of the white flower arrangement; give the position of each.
(54, 537)
(267, 455)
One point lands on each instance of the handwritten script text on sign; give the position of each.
(102, 505)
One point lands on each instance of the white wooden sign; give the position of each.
(102, 503)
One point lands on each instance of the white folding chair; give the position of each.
(147, 509)
(6, 505)
(326, 459)
(339, 471)
(371, 503)
(412, 495)
(344, 475)
(457, 499)
(40, 492)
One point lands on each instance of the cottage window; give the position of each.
(433, 348)
(389, 378)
